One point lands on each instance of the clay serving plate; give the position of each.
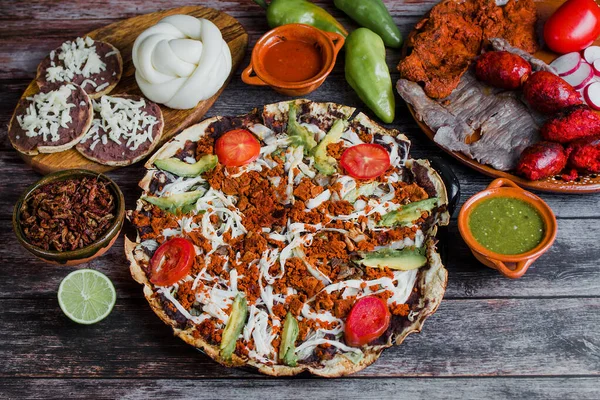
(511, 266)
(85, 254)
(329, 43)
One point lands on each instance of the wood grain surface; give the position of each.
(122, 35)
(533, 338)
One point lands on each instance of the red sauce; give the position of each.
(293, 60)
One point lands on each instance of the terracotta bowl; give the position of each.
(329, 43)
(511, 266)
(85, 254)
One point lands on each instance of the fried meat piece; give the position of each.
(542, 160)
(502, 69)
(445, 43)
(548, 93)
(573, 123)
(584, 155)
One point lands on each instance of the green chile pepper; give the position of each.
(283, 12)
(373, 14)
(368, 73)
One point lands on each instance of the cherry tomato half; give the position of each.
(573, 27)
(365, 161)
(237, 147)
(172, 261)
(368, 320)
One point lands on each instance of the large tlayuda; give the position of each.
(291, 238)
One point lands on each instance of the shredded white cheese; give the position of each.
(78, 57)
(47, 113)
(123, 121)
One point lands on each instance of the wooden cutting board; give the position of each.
(122, 35)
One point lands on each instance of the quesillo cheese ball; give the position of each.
(274, 263)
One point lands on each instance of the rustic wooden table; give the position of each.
(537, 337)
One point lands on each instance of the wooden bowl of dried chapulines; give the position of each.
(69, 217)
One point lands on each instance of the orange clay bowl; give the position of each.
(328, 43)
(92, 250)
(511, 266)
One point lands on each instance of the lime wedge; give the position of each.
(86, 296)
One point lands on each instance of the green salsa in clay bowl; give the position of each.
(507, 228)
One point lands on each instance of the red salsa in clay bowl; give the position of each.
(507, 228)
(293, 59)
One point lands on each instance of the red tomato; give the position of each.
(171, 261)
(237, 147)
(368, 320)
(573, 27)
(365, 161)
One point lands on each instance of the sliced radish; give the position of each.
(581, 77)
(567, 64)
(592, 95)
(591, 54)
(597, 67)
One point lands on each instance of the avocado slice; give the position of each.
(287, 349)
(324, 163)
(408, 213)
(299, 135)
(183, 202)
(180, 168)
(237, 320)
(401, 260)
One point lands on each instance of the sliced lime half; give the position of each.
(86, 296)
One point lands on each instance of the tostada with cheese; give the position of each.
(50, 121)
(94, 65)
(125, 129)
(293, 238)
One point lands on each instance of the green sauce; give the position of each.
(506, 225)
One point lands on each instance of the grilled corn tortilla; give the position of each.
(302, 252)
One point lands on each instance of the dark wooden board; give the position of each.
(406, 388)
(491, 338)
(122, 35)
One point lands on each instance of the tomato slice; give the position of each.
(368, 320)
(172, 261)
(365, 161)
(237, 147)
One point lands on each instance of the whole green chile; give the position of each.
(283, 12)
(368, 73)
(373, 14)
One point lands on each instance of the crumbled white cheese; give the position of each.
(123, 120)
(76, 57)
(47, 113)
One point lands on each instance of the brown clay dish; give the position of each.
(89, 252)
(329, 44)
(584, 184)
(511, 266)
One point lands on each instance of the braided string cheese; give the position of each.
(181, 61)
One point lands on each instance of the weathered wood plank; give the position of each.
(570, 268)
(535, 337)
(242, 389)
(96, 9)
